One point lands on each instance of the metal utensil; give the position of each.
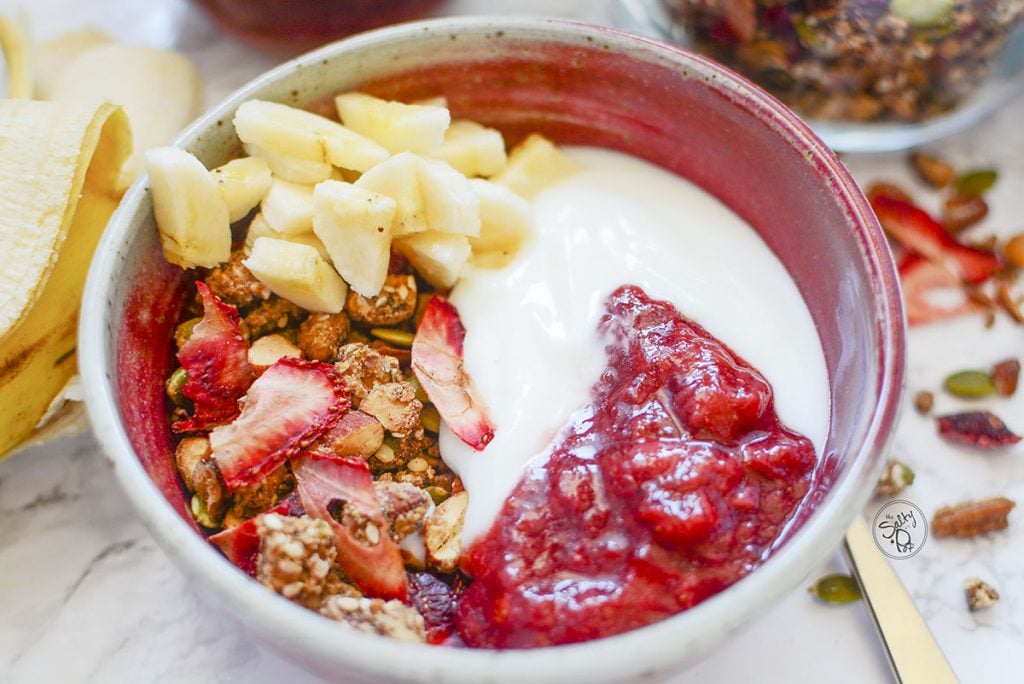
(913, 654)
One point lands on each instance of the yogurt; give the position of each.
(532, 346)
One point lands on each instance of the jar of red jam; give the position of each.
(291, 26)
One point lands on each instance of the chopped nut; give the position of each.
(1014, 250)
(272, 315)
(376, 616)
(895, 478)
(235, 284)
(960, 213)
(363, 368)
(269, 349)
(923, 402)
(972, 518)
(321, 335)
(356, 434)
(395, 405)
(442, 533)
(934, 171)
(1009, 303)
(189, 452)
(295, 556)
(979, 594)
(210, 488)
(395, 303)
(1005, 375)
(405, 507)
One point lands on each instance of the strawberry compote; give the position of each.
(670, 486)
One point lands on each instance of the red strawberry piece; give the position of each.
(241, 543)
(435, 601)
(216, 359)
(916, 230)
(339, 490)
(437, 363)
(919, 279)
(285, 410)
(980, 429)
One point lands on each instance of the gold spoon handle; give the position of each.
(913, 654)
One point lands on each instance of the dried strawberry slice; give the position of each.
(435, 601)
(241, 543)
(918, 278)
(339, 490)
(916, 230)
(216, 359)
(285, 410)
(437, 363)
(980, 429)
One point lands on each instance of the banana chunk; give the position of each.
(397, 126)
(190, 212)
(242, 183)
(297, 273)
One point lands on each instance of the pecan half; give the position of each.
(971, 518)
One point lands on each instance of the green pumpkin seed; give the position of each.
(431, 419)
(969, 384)
(976, 183)
(438, 494)
(422, 300)
(184, 330)
(200, 513)
(399, 338)
(836, 589)
(421, 393)
(175, 385)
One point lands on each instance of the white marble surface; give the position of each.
(86, 596)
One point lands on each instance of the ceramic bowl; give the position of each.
(575, 84)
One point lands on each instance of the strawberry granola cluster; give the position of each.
(309, 450)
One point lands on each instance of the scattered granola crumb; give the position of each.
(395, 303)
(405, 507)
(270, 316)
(376, 616)
(235, 284)
(924, 401)
(979, 594)
(971, 518)
(295, 556)
(321, 335)
(1005, 375)
(363, 368)
(896, 476)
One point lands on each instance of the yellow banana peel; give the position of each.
(60, 163)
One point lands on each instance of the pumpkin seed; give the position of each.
(969, 384)
(422, 300)
(175, 384)
(421, 393)
(438, 494)
(976, 183)
(836, 589)
(399, 338)
(200, 513)
(184, 330)
(431, 419)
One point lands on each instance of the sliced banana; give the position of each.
(288, 207)
(242, 183)
(297, 133)
(399, 179)
(506, 221)
(292, 169)
(191, 215)
(397, 126)
(534, 164)
(449, 202)
(439, 257)
(472, 149)
(355, 226)
(298, 273)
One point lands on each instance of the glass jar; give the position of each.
(868, 74)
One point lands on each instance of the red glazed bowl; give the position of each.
(575, 84)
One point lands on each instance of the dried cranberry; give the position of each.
(980, 429)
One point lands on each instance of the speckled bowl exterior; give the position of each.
(576, 84)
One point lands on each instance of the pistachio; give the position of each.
(976, 182)
(200, 513)
(836, 589)
(969, 384)
(430, 418)
(421, 393)
(175, 384)
(437, 494)
(399, 338)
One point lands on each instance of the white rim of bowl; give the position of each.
(638, 653)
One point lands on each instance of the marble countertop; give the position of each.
(86, 595)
